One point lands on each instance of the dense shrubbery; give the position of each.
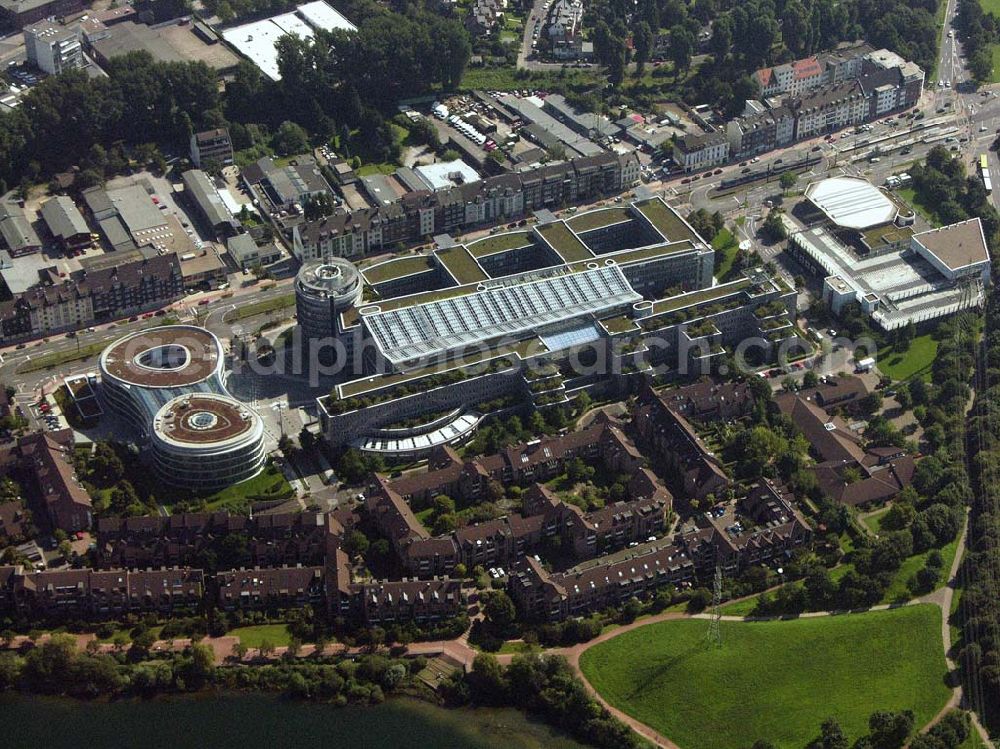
(57, 667)
(544, 685)
(942, 184)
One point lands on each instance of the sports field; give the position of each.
(773, 680)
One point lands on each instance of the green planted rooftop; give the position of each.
(666, 221)
(887, 234)
(597, 219)
(510, 240)
(618, 324)
(462, 265)
(700, 297)
(563, 241)
(398, 268)
(523, 349)
(648, 253)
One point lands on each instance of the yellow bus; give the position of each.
(984, 164)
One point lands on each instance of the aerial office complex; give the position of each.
(863, 244)
(322, 292)
(534, 316)
(169, 382)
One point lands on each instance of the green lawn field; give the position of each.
(773, 680)
(916, 361)
(725, 243)
(909, 195)
(874, 521)
(254, 635)
(991, 6)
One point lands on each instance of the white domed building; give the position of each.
(170, 383)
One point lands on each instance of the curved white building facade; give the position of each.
(155, 379)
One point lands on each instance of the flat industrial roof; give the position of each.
(957, 246)
(256, 40)
(124, 359)
(444, 174)
(136, 208)
(63, 218)
(851, 202)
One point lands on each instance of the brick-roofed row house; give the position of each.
(780, 529)
(659, 425)
(187, 538)
(504, 540)
(48, 458)
(271, 582)
(542, 595)
(847, 470)
(61, 594)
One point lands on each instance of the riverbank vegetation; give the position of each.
(58, 667)
(544, 685)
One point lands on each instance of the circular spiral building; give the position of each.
(322, 291)
(205, 441)
(152, 377)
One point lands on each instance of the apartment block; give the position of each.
(212, 147)
(53, 48)
(696, 151)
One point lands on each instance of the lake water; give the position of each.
(263, 722)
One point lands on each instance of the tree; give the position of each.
(487, 680)
(444, 524)
(499, 610)
(681, 48)
(699, 600)
(981, 65)
(356, 543)
(443, 505)
(290, 139)
(788, 180)
(774, 228)
(722, 38)
(142, 643)
(831, 736)
(889, 730)
(642, 40)
(631, 610)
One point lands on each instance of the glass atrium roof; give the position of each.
(438, 327)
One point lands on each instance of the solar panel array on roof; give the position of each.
(437, 327)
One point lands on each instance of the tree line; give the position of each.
(979, 613)
(544, 685)
(746, 36)
(336, 83)
(979, 31)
